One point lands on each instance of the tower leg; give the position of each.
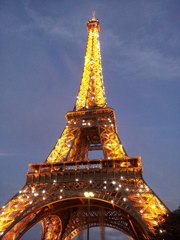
(51, 228)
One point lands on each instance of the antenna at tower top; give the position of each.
(93, 14)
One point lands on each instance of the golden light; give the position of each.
(88, 194)
(91, 95)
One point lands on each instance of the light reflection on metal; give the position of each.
(55, 190)
(91, 92)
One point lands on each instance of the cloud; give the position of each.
(150, 63)
(111, 39)
(34, 19)
(131, 59)
(5, 154)
(48, 24)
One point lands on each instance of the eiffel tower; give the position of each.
(70, 192)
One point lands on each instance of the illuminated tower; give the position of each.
(69, 192)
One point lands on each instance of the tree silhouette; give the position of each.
(170, 229)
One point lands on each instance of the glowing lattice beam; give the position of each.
(91, 92)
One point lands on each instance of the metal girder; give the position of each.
(56, 191)
(91, 92)
(46, 199)
(51, 227)
(83, 219)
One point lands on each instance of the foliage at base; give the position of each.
(170, 229)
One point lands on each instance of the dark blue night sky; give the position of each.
(42, 48)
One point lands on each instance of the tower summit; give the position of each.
(91, 92)
(70, 191)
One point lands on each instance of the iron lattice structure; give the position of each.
(70, 192)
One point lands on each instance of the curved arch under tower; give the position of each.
(69, 192)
